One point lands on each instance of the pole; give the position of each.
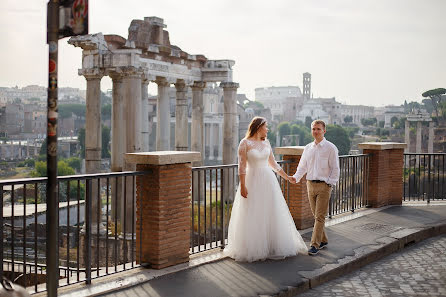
(52, 214)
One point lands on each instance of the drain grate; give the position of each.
(377, 228)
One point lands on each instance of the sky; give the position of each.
(369, 52)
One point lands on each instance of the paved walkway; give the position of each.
(419, 270)
(352, 244)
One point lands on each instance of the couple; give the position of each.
(261, 225)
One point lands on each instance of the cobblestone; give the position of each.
(419, 270)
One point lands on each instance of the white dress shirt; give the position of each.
(320, 162)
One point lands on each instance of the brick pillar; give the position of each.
(296, 193)
(163, 206)
(385, 184)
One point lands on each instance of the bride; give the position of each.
(261, 225)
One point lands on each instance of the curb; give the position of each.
(365, 255)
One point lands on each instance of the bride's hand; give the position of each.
(244, 192)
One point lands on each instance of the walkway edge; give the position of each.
(365, 255)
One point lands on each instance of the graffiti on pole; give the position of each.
(73, 18)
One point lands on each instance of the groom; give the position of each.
(320, 162)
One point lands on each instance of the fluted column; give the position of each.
(118, 139)
(145, 115)
(132, 103)
(230, 138)
(93, 139)
(430, 144)
(93, 144)
(197, 125)
(407, 135)
(162, 116)
(181, 131)
(418, 147)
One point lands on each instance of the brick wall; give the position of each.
(164, 199)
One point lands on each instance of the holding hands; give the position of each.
(291, 179)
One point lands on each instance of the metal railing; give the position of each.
(213, 191)
(96, 232)
(424, 177)
(350, 193)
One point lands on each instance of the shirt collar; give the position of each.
(322, 143)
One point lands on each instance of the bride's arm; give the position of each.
(276, 167)
(242, 155)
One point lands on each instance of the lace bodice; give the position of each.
(255, 153)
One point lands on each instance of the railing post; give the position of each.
(385, 184)
(1, 231)
(163, 206)
(222, 206)
(87, 230)
(298, 199)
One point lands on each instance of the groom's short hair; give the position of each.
(321, 122)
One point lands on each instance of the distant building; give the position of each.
(282, 101)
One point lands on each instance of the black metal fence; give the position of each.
(96, 235)
(213, 191)
(424, 177)
(350, 193)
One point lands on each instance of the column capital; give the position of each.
(91, 74)
(229, 85)
(198, 85)
(180, 85)
(163, 81)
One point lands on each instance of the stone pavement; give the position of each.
(353, 243)
(419, 270)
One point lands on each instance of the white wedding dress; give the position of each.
(261, 225)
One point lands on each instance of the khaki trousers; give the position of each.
(319, 197)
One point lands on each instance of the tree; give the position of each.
(106, 112)
(81, 140)
(435, 96)
(393, 120)
(272, 138)
(284, 128)
(348, 119)
(65, 110)
(368, 122)
(308, 121)
(105, 150)
(339, 137)
(303, 132)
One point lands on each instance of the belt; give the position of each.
(317, 181)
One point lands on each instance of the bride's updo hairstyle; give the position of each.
(254, 126)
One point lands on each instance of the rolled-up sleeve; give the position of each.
(333, 163)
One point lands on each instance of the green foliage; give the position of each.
(308, 121)
(393, 120)
(43, 148)
(62, 169)
(253, 104)
(339, 137)
(106, 112)
(272, 138)
(65, 110)
(369, 122)
(27, 163)
(105, 151)
(74, 163)
(351, 131)
(81, 140)
(284, 128)
(303, 132)
(348, 119)
(434, 92)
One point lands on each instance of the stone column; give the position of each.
(207, 140)
(430, 145)
(133, 144)
(132, 104)
(215, 141)
(93, 143)
(118, 135)
(162, 116)
(230, 122)
(145, 115)
(197, 124)
(407, 135)
(181, 125)
(296, 194)
(118, 141)
(385, 183)
(163, 207)
(418, 144)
